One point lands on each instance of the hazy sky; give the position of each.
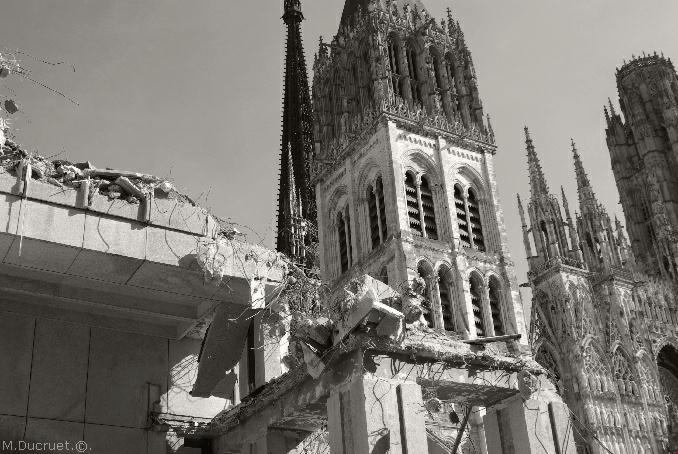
(192, 89)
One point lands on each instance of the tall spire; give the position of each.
(538, 184)
(297, 141)
(586, 196)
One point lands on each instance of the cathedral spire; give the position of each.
(295, 194)
(538, 184)
(587, 198)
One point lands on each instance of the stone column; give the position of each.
(531, 426)
(376, 416)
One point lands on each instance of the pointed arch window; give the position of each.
(543, 230)
(462, 216)
(424, 272)
(377, 213)
(476, 285)
(449, 72)
(445, 289)
(495, 306)
(394, 63)
(412, 196)
(467, 207)
(428, 208)
(413, 68)
(344, 234)
(474, 220)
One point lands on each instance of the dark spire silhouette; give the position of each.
(538, 185)
(296, 147)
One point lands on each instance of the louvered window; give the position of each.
(446, 300)
(495, 307)
(462, 217)
(474, 220)
(411, 193)
(477, 304)
(429, 217)
(382, 209)
(374, 217)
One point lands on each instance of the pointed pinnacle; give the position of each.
(538, 184)
(613, 112)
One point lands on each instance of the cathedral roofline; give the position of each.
(643, 61)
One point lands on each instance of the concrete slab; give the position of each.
(115, 236)
(183, 362)
(172, 248)
(122, 367)
(106, 267)
(52, 223)
(116, 440)
(48, 431)
(41, 255)
(121, 208)
(16, 346)
(167, 278)
(6, 241)
(52, 194)
(179, 216)
(58, 378)
(9, 212)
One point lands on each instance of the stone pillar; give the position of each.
(529, 427)
(276, 441)
(376, 416)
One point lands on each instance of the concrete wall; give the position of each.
(68, 382)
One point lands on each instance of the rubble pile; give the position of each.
(114, 184)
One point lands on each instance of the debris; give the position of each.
(166, 187)
(314, 364)
(129, 187)
(10, 106)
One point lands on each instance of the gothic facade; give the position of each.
(604, 310)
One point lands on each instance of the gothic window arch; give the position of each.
(476, 288)
(446, 289)
(622, 373)
(462, 216)
(467, 207)
(394, 55)
(376, 211)
(413, 70)
(495, 297)
(421, 211)
(343, 227)
(425, 272)
(449, 72)
(544, 233)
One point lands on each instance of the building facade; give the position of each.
(604, 311)
(405, 173)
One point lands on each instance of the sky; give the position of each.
(192, 90)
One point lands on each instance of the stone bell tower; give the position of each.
(643, 144)
(405, 167)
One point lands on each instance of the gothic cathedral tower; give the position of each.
(596, 322)
(644, 151)
(404, 171)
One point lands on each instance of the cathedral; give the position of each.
(604, 306)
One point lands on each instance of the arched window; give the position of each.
(437, 68)
(429, 215)
(446, 299)
(474, 220)
(451, 80)
(476, 284)
(394, 63)
(462, 216)
(424, 271)
(374, 217)
(413, 68)
(412, 196)
(383, 275)
(495, 306)
(377, 213)
(344, 233)
(545, 239)
(382, 209)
